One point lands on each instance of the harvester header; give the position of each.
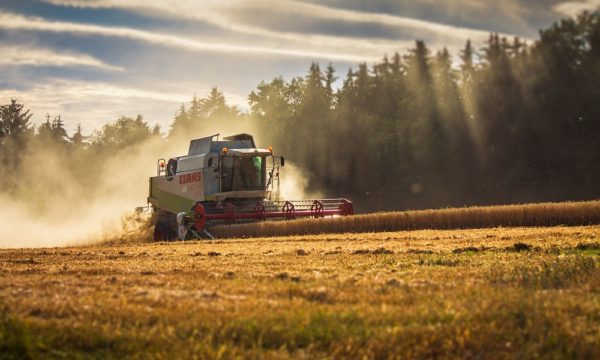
(224, 182)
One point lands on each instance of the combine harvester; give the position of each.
(225, 182)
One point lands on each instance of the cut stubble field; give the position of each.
(491, 293)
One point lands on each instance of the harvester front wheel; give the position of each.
(164, 232)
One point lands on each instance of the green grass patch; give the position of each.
(293, 330)
(15, 342)
(546, 274)
(438, 261)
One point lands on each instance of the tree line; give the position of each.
(509, 122)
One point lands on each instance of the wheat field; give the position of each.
(544, 214)
(485, 293)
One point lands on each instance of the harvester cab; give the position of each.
(223, 182)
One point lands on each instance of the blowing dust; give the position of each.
(62, 200)
(294, 185)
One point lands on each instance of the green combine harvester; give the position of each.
(225, 182)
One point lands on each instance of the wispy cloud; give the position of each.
(93, 103)
(35, 56)
(572, 8)
(227, 16)
(222, 13)
(19, 22)
(519, 17)
(426, 28)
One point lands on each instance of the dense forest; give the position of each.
(509, 122)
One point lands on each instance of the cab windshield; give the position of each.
(243, 173)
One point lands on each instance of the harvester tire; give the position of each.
(164, 232)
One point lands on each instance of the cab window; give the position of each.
(243, 173)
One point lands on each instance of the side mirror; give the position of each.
(282, 161)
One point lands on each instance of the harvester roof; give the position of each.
(249, 152)
(209, 144)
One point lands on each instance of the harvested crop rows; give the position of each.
(517, 292)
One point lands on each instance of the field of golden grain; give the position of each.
(492, 293)
(476, 217)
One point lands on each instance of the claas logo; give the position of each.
(190, 178)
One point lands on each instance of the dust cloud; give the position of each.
(294, 185)
(59, 203)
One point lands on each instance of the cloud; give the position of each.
(572, 8)
(519, 17)
(34, 56)
(426, 28)
(320, 50)
(97, 103)
(254, 18)
(220, 13)
(93, 104)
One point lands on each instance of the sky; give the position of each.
(92, 61)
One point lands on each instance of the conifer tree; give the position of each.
(77, 140)
(14, 122)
